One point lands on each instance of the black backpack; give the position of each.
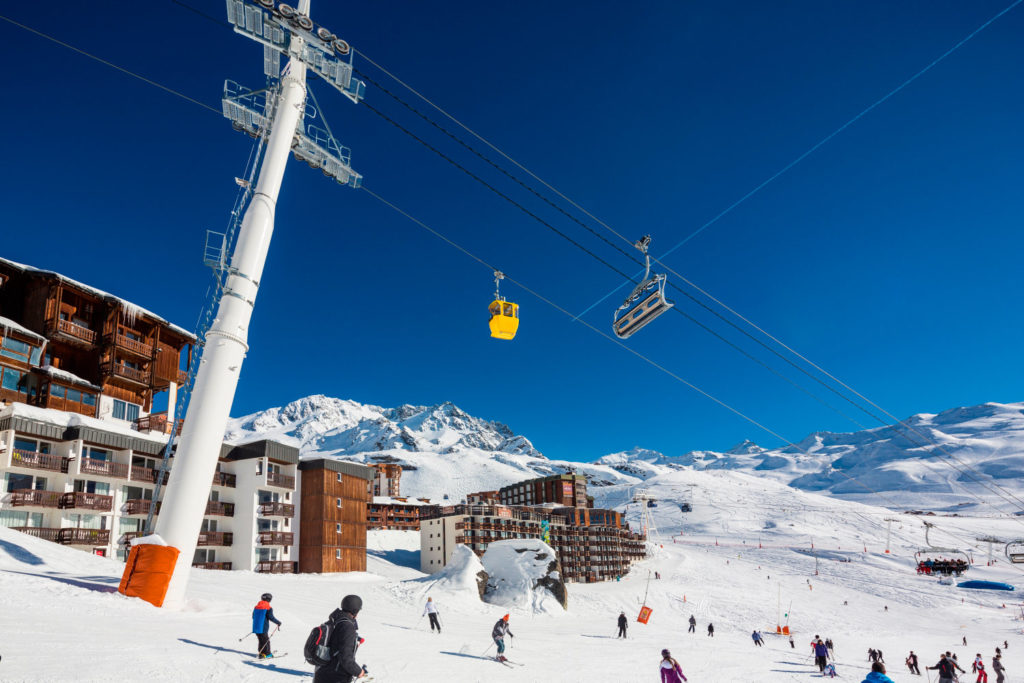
(316, 650)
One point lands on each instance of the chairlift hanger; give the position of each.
(645, 303)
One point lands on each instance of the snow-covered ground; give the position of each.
(62, 621)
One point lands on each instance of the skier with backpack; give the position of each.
(262, 615)
(331, 646)
(430, 609)
(498, 635)
(947, 669)
(623, 623)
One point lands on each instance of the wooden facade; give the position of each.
(332, 523)
(96, 344)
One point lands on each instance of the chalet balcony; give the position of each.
(86, 501)
(208, 538)
(83, 536)
(277, 510)
(103, 468)
(224, 479)
(147, 475)
(276, 538)
(74, 332)
(277, 567)
(224, 566)
(163, 376)
(158, 422)
(129, 346)
(126, 374)
(59, 403)
(137, 506)
(34, 498)
(280, 480)
(45, 533)
(39, 461)
(220, 509)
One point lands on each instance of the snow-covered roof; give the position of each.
(65, 376)
(386, 500)
(6, 325)
(62, 419)
(132, 310)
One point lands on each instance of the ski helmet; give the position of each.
(352, 604)
(267, 596)
(666, 653)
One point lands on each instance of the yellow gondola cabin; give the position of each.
(504, 314)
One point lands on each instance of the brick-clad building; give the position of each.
(332, 526)
(561, 489)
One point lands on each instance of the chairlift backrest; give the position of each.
(646, 303)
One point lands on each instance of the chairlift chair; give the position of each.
(645, 303)
(504, 314)
(1015, 551)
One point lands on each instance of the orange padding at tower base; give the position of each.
(147, 573)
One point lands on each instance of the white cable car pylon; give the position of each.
(281, 29)
(646, 302)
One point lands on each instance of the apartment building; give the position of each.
(387, 479)
(335, 495)
(402, 514)
(561, 489)
(592, 544)
(483, 498)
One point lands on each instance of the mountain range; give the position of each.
(928, 461)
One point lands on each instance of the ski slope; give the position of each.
(62, 620)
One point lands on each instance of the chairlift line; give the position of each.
(645, 303)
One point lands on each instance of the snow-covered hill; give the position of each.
(928, 461)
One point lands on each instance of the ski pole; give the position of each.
(490, 646)
(245, 636)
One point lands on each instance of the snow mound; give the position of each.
(464, 573)
(524, 573)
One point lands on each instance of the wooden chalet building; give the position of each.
(387, 479)
(401, 514)
(332, 525)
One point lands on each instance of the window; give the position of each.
(124, 410)
(12, 380)
(99, 454)
(339, 476)
(89, 399)
(337, 528)
(31, 446)
(75, 395)
(339, 502)
(337, 553)
(18, 350)
(57, 391)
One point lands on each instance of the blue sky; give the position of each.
(890, 256)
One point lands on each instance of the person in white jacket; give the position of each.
(431, 609)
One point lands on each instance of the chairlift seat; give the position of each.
(504, 321)
(643, 306)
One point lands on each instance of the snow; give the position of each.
(66, 599)
(152, 539)
(7, 324)
(460, 576)
(518, 572)
(65, 376)
(131, 311)
(63, 419)
(386, 500)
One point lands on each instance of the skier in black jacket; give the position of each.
(343, 643)
(622, 625)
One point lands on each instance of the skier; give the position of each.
(965, 641)
(711, 630)
(262, 615)
(830, 670)
(693, 624)
(670, 669)
(947, 669)
(830, 646)
(979, 667)
(997, 666)
(872, 655)
(757, 639)
(912, 663)
(430, 609)
(792, 645)
(877, 674)
(344, 640)
(498, 634)
(622, 625)
(820, 655)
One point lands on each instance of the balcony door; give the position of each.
(86, 486)
(19, 482)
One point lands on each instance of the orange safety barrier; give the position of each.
(147, 573)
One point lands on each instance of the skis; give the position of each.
(509, 663)
(277, 655)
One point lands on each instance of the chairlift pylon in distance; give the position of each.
(504, 314)
(645, 303)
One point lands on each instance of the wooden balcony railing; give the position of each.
(207, 538)
(31, 497)
(138, 506)
(220, 509)
(87, 501)
(157, 422)
(277, 567)
(145, 474)
(282, 480)
(128, 536)
(39, 461)
(84, 536)
(45, 533)
(77, 331)
(277, 510)
(276, 538)
(225, 566)
(125, 343)
(224, 479)
(179, 377)
(124, 372)
(104, 468)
